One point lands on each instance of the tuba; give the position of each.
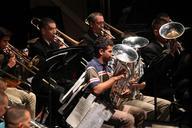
(123, 55)
(137, 68)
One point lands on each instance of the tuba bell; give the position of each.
(124, 53)
(136, 41)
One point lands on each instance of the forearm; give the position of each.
(106, 85)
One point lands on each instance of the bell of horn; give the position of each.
(135, 41)
(171, 30)
(124, 53)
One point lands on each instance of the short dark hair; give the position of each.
(91, 17)
(45, 21)
(102, 43)
(15, 114)
(162, 15)
(4, 32)
(158, 22)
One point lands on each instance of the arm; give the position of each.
(101, 87)
(96, 85)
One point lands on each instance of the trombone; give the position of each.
(103, 30)
(28, 64)
(36, 21)
(171, 31)
(66, 37)
(114, 29)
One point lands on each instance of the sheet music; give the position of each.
(95, 117)
(88, 114)
(80, 111)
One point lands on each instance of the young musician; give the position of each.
(7, 69)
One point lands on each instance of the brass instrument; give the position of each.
(121, 33)
(171, 30)
(114, 29)
(136, 41)
(35, 124)
(58, 36)
(137, 68)
(103, 30)
(123, 55)
(28, 64)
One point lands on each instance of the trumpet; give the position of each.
(58, 36)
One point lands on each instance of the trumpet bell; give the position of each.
(171, 30)
(124, 53)
(135, 41)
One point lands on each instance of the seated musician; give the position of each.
(131, 95)
(100, 85)
(7, 69)
(17, 117)
(47, 96)
(3, 106)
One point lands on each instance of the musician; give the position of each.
(3, 102)
(46, 41)
(135, 97)
(183, 75)
(96, 23)
(100, 83)
(3, 107)
(46, 95)
(17, 117)
(160, 57)
(7, 66)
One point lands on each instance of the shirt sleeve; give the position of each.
(92, 78)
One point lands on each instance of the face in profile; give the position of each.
(18, 118)
(98, 24)
(3, 106)
(26, 122)
(107, 53)
(4, 42)
(49, 31)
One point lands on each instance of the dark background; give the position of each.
(128, 15)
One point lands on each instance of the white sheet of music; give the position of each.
(88, 114)
(80, 111)
(95, 117)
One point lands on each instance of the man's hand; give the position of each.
(175, 47)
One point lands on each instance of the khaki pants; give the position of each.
(18, 96)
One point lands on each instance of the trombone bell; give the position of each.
(171, 30)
